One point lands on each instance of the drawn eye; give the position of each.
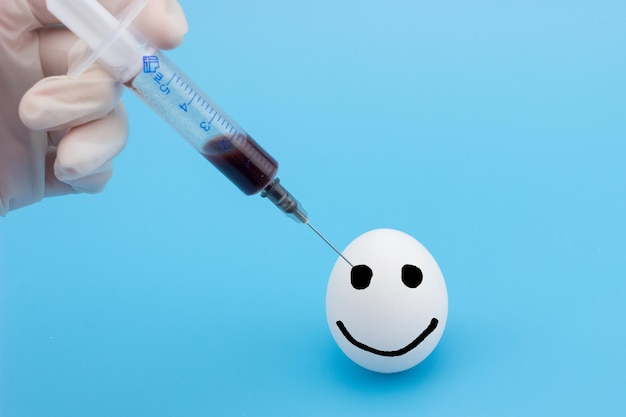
(360, 276)
(411, 276)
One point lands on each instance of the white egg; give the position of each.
(387, 312)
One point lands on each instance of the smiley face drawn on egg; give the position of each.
(387, 312)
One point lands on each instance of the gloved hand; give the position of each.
(67, 131)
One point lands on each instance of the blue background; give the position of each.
(491, 131)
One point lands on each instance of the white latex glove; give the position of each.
(59, 135)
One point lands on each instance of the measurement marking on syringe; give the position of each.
(171, 78)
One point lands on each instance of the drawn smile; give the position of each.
(419, 339)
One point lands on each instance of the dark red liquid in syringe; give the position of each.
(241, 160)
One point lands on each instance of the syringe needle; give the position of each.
(329, 244)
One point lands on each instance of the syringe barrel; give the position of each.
(166, 89)
(184, 106)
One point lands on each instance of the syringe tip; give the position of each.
(285, 201)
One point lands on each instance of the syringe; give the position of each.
(132, 60)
